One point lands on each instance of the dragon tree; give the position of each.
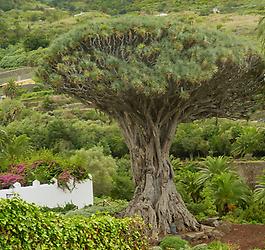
(150, 74)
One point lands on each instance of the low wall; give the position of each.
(50, 195)
(250, 170)
(16, 74)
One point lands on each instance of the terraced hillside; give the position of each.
(124, 6)
(22, 43)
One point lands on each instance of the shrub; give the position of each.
(10, 110)
(48, 104)
(101, 167)
(173, 242)
(205, 207)
(229, 192)
(248, 142)
(101, 205)
(35, 41)
(212, 167)
(189, 141)
(210, 186)
(59, 130)
(43, 171)
(15, 148)
(253, 214)
(215, 245)
(123, 182)
(62, 210)
(25, 226)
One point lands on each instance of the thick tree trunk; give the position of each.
(155, 199)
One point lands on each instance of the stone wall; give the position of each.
(16, 74)
(250, 170)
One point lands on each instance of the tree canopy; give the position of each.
(106, 62)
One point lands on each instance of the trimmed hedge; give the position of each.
(25, 226)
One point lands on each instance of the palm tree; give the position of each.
(229, 191)
(211, 167)
(259, 193)
(11, 89)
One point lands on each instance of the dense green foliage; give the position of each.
(78, 144)
(101, 206)
(25, 226)
(154, 55)
(173, 242)
(176, 243)
(22, 43)
(22, 20)
(217, 138)
(70, 139)
(61, 130)
(121, 7)
(212, 187)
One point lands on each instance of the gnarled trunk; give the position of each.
(155, 199)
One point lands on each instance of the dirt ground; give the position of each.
(246, 237)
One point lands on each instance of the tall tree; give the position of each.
(151, 73)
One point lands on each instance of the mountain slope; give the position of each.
(124, 6)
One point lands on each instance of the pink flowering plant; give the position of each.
(43, 171)
(18, 169)
(8, 179)
(64, 179)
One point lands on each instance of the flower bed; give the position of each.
(44, 171)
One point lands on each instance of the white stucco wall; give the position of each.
(50, 195)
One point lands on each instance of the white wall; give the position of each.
(51, 195)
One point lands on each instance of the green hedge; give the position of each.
(25, 226)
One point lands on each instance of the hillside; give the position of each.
(22, 43)
(124, 6)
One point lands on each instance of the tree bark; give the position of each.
(155, 199)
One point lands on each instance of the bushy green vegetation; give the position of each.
(176, 243)
(25, 226)
(213, 188)
(219, 137)
(121, 7)
(103, 205)
(173, 242)
(22, 44)
(59, 143)
(70, 138)
(79, 145)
